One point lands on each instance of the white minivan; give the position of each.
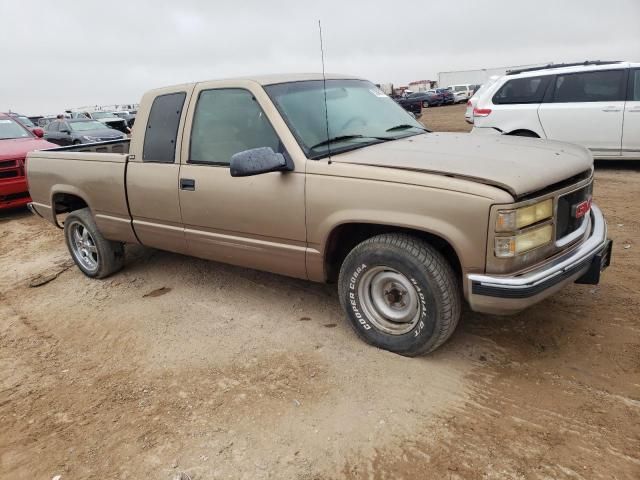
(594, 104)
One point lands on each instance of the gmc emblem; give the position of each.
(581, 209)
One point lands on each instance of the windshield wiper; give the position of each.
(345, 137)
(404, 126)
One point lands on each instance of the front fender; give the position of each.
(459, 218)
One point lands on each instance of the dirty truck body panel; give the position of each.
(171, 188)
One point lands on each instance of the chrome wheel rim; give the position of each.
(83, 246)
(389, 300)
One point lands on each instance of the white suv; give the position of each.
(594, 104)
(467, 89)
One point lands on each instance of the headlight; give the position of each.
(511, 220)
(522, 242)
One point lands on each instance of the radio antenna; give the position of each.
(324, 88)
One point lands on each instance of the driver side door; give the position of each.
(65, 134)
(257, 221)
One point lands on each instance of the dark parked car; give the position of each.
(73, 131)
(448, 98)
(107, 118)
(415, 102)
(129, 117)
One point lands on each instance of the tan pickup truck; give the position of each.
(258, 173)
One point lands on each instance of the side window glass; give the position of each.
(634, 86)
(599, 86)
(162, 128)
(228, 121)
(522, 90)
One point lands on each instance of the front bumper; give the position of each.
(14, 194)
(510, 294)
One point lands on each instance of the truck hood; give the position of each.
(19, 147)
(516, 164)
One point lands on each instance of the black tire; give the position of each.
(108, 255)
(524, 133)
(425, 104)
(432, 278)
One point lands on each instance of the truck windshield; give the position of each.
(10, 129)
(358, 114)
(87, 126)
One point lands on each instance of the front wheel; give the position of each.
(94, 255)
(400, 294)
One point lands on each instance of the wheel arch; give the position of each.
(66, 199)
(345, 236)
(523, 132)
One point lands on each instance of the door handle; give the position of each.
(611, 109)
(187, 184)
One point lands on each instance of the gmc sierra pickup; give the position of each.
(333, 182)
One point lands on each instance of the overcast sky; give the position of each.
(61, 54)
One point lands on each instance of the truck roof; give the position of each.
(270, 79)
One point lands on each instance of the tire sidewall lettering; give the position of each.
(353, 302)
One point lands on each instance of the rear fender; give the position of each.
(61, 189)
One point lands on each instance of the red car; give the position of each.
(15, 142)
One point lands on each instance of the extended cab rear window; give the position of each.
(634, 86)
(162, 128)
(522, 90)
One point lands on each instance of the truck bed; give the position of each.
(112, 146)
(93, 174)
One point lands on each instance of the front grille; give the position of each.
(14, 196)
(11, 168)
(567, 222)
(8, 163)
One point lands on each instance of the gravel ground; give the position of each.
(180, 365)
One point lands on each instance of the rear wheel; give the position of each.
(400, 294)
(425, 104)
(94, 255)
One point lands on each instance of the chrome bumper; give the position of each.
(33, 210)
(511, 294)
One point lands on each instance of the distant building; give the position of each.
(477, 77)
(386, 87)
(422, 85)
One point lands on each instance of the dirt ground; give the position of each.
(448, 118)
(177, 365)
